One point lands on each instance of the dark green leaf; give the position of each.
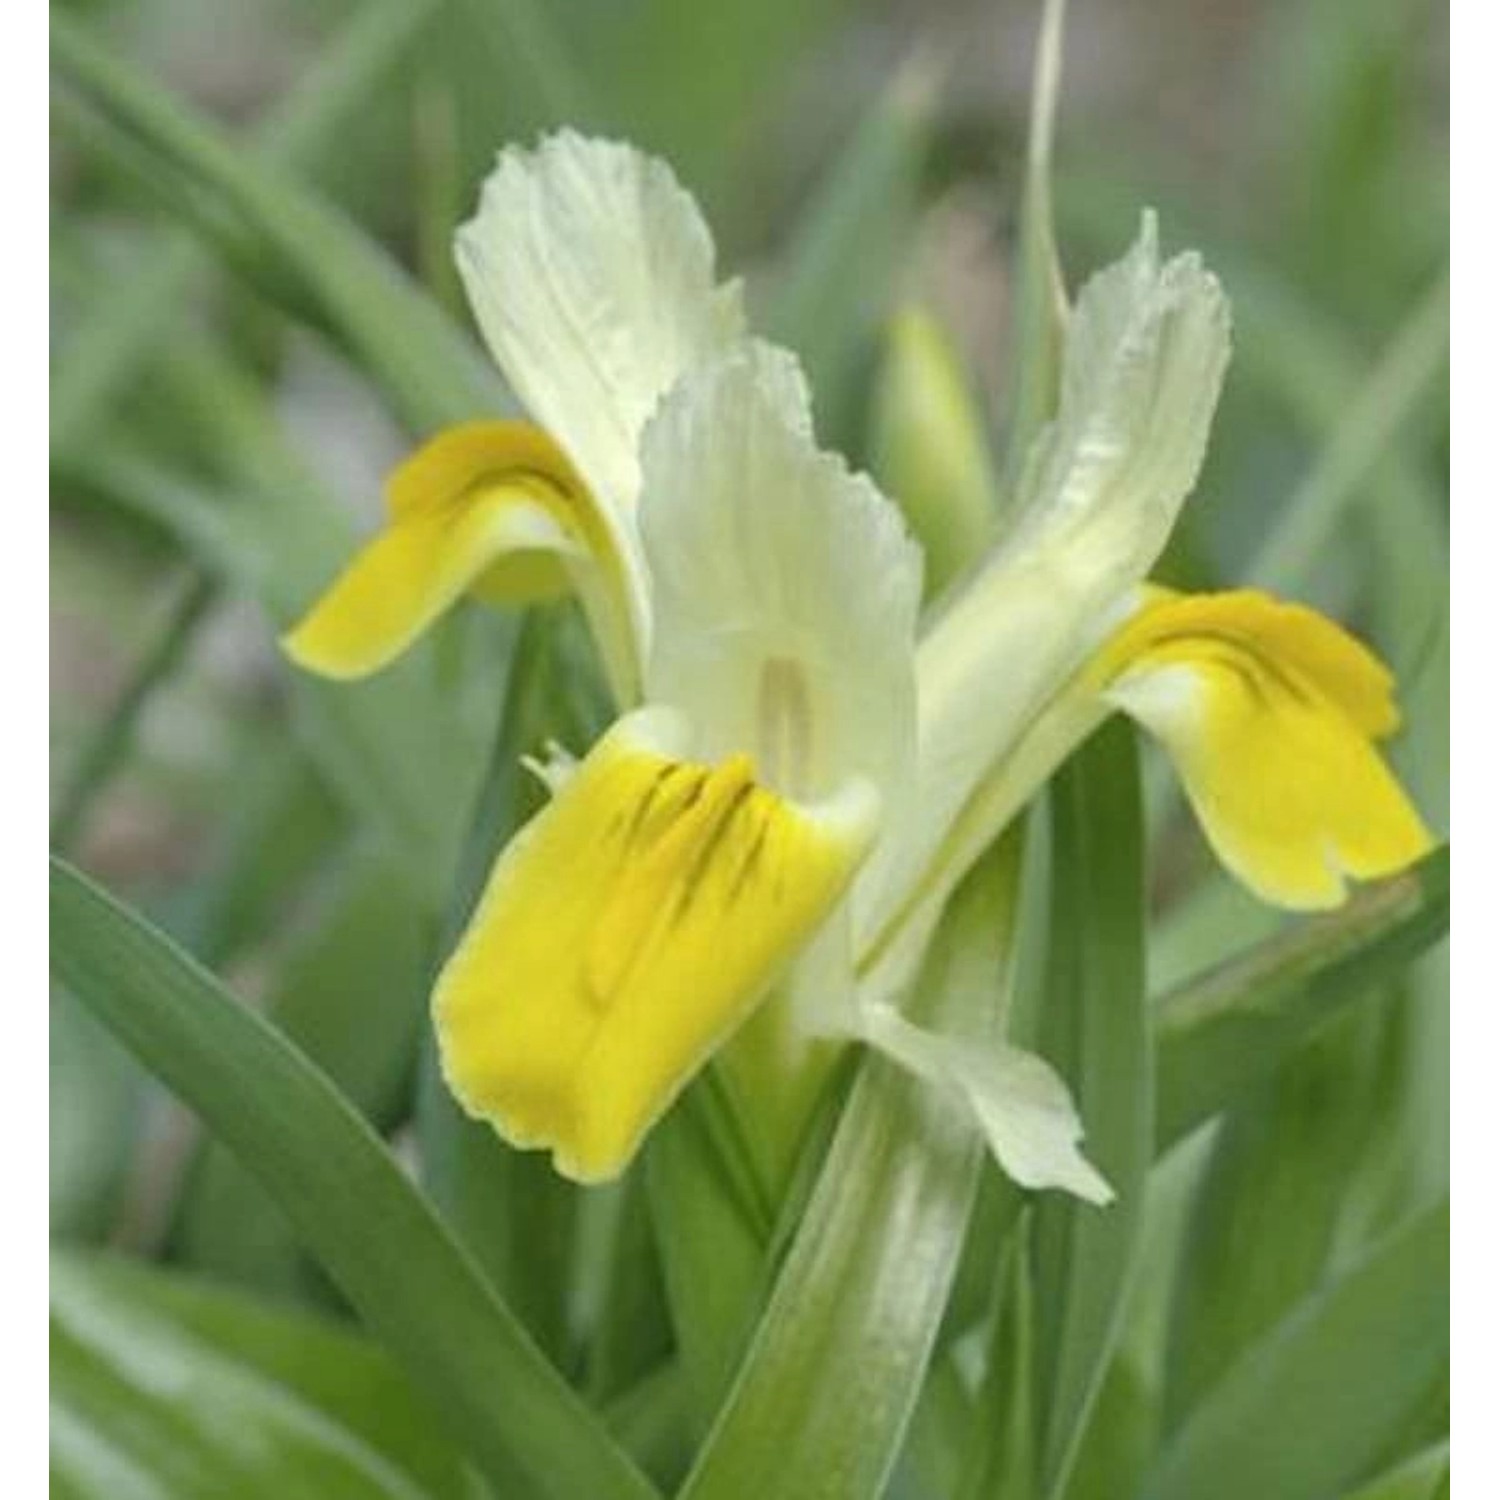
(338, 1185)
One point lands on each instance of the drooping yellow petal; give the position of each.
(493, 508)
(626, 932)
(1269, 712)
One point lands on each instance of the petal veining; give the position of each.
(1270, 712)
(492, 508)
(626, 932)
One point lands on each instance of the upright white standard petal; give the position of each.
(1144, 357)
(786, 587)
(591, 273)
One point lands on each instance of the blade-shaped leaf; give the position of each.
(1217, 1034)
(1311, 1407)
(352, 996)
(124, 323)
(430, 373)
(834, 1369)
(201, 1391)
(833, 286)
(1095, 1030)
(1041, 304)
(1268, 1204)
(374, 1233)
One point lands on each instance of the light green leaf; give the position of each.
(431, 374)
(1041, 302)
(96, 1100)
(373, 1232)
(1219, 1033)
(103, 753)
(1423, 1477)
(833, 1372)
(167, 1386)
(1414, 360)
(714, 1227)
(929, 450)
(1310, 1408)
(832, 287)
(1268, 1204)
(124, 322)
(352, 997)
(1095, 1030)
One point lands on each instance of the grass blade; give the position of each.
(125, 324)
(101, 756)
(373, 1232)
(1096, 1031)
(832, 288)
(204, 1391)
(833, 1372)
(1310, 1408)
(1219, 1033)
(1414, 359)
(430, 373)
(1041, 302)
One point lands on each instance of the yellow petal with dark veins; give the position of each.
(492, 508)
(1270, 712)
(626, 932)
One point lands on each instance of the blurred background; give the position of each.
(219, 437)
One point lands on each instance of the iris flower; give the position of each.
(805, 764)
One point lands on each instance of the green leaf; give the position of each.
(429, 372)
(1041, 303)
(1095, 1031)
(352, 996)
(103, 754)
(1269, 1202)
(833, 1372)
(165, 1385)
(123, 325)
(1414, 360)
(1219, 1033)
(373, 1232)
(713, 1235)
(928, 446)
(1423, 1477)
(831, 289)
(96, 1099)
(1310, 1407)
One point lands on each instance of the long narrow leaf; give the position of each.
(833, 286)
(1217, 1034)
(124, 321)
(1310, 1408)
(430, 373)
(377, 1237)
(833, 1373)
(1095, 1029)
(202, 1391)
(1041, 302)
